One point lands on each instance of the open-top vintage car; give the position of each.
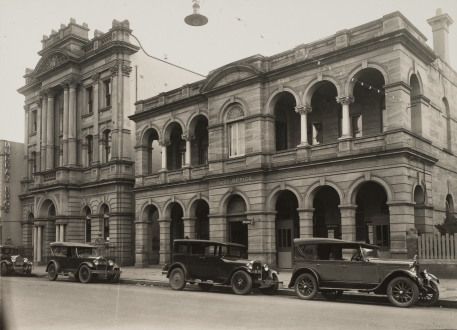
(332, 266)
(80, 261)
(207, 263)
(11, 262)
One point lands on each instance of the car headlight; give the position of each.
(111, 263)
(249, 265)
(26, 260)
(13, 258)
(96, 262)
(265, 267)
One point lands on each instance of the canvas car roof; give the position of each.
(71, 244)
(335, 241)
(186, 240)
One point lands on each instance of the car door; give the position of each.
(358, 273)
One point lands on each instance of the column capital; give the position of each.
(303, 109)
(95, 78)
(114, 70)
(164, 143)
(345, 100)
(126, 69)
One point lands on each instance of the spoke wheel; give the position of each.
(241, 282)
(402, 292)
(177, 279)
(52, 272)
(332, 294)
(306, 286)
(84, 274)
(430, 296)
(3, 269)
(271, 289)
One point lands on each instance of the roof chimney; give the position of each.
(440, 28)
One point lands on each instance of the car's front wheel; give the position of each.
(4, 269)
(241, 282)
(429, 297)
(402, 292)
(271, 289)
(52, 272)
(84, 274)
(177, 279)
(306, 286)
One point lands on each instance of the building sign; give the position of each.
(235, 180)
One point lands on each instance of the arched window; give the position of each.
(106, 145)
(153, 152)
(235, 131)
(90, 150)
(449, 206)
(88, 224)
(176, 148)
(287, 122)
(33, 163)
(105, 218)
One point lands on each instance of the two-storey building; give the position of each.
(351, 136)
(79, 150)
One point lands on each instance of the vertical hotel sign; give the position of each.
(5, 201)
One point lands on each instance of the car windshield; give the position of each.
(233, 251)
(370, 253)
(9, 251)
(85, 252)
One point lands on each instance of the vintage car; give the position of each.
(209, 263)
(11, 262)
(332, 266)
(80, 261)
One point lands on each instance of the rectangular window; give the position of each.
(107, 90)
(33, 124)
(236, 139)
(89, 99)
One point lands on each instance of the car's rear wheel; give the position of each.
(271, 289)
(205, 286)
(402, 292)
(429, 297)
(84, 274)
(3, 269)
(177, 279)
(306, 286)
(241, 282)
(52, 272)
(332, 294)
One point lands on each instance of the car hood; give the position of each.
(396, 262)
(238, 261)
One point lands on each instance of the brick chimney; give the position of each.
(440, 28)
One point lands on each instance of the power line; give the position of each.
(158, 59)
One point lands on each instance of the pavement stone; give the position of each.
(152, 275)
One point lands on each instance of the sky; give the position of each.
(236, 29)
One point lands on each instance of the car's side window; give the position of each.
(210, 250)
(351, 254)
(308, 252)
(329, 252)
(60, 251)
(181, 249)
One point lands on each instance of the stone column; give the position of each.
(72, 125)
(57, 233)
(34, 243)
(218, 228)
(116, 131)
(164, 145)
(28, 167)
(303, 111)
(188, 139)
(141, 244)
(95, 99)
(38, 138)
(348, 225)
(43, 136)
(39, 243)
(164, 240)
(65, 125)
(189, 227)
(50, 133)
(345, 101)
(306, 222)
(62, 233)
(401, 221)
(268, 224)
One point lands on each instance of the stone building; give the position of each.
(80, 167)
(351, 136)
(11, 172)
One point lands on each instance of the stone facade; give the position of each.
(80, 177)
(11, 170)
(351, 136)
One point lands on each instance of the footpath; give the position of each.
(152, 276)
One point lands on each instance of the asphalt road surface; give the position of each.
(36, 303)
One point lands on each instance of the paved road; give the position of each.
(36, 303)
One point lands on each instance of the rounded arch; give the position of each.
(30, 217)
(101, 204)
(314, 188)
(356, 71)
(44, 205)
(418, 194)
(85, 209)
(355, 186)
(449, 204)
(144, 208)
(277, 94)
(146, 134)
(415, 79)
(326, 215)
(314, 84)
(168, 127)
(193, 119)
(191, 205)
(226, 198)
(231, 102)
(274, 193)
(167, 208)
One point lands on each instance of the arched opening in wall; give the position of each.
(58, 125)
(201, 219)
(152, 159)
(287, 122)
(176, 149)
(199, 140)
(153, 235)
(27, 232)
(47, 233)
(448, 124)
(324, 121)
(419, 210)
(87, 224)
(235, 130)
(369, 103)
(104, 210)
(176, 225)
(90, 149)
(287, 225)
(326, 216)
(236, 220)
(33, 163)
(372, 215)
(106, 143)
(449, 206)
(415, 103)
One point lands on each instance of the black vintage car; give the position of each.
(332, 266)
(207, 263)
(80, 261)
(11, 262)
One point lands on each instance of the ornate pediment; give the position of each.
(230, 75)
(51, 61)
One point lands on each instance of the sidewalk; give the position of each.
(153, 276)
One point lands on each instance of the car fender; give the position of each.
(7, 262)
(178, 265)
(86, 263)
(300, 271)
(55, 263)
(382, 287)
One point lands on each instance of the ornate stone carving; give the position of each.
(52, 62)
(345, 99)
(235, 112)
(126, 69)
(114, 70)
(303, 110)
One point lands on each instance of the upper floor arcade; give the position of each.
(374, 89)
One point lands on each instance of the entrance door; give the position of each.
(238, 233)
(284, 238)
